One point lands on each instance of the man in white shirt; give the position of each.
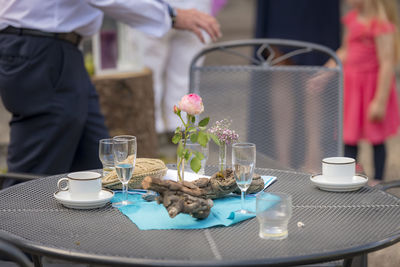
(169, 58)
(56, 121)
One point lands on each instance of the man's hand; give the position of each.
(195, 21)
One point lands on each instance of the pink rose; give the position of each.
(192, 104)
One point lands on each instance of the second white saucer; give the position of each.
(356, 183)
(64, 198)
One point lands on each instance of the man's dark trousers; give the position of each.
(56, 120)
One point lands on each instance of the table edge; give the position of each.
(84, 257)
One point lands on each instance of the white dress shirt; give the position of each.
(84, 16)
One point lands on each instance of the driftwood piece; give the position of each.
(256, 185)
(178, 202)
(195, 198)
(217, 186)
(180, 197)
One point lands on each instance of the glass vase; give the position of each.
(191, 148)
(222, 157)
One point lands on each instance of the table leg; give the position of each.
(358, 261)
(37, 260)
(347, 262)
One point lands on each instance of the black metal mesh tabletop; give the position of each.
(336, 225)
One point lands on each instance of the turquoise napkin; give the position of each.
(151, 216)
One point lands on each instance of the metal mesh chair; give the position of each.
(20, 177)
(15, 255)
(292, 112)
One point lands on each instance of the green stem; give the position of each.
(222, 157)
(180, 117)
(179, 168)
(182, 157)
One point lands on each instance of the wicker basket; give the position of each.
(143, 167)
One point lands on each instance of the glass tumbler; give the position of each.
(106, 155)
(273, 211)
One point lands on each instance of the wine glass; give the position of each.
(124, 161)
(132, 145)
(243, 161)
(106, 155)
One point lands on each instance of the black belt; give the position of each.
(71, 37)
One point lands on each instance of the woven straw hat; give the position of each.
(143, 167)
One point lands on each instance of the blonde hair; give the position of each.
(388, 10)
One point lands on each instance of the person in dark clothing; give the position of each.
(56, 120)
(312, 21)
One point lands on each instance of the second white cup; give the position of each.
(339, 169)
(81, 185)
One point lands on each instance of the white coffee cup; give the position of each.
(339, 169)
(81, 185)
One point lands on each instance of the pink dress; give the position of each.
(360, 83)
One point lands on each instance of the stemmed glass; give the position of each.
(243, 162)
(124, 149)
(106, 155)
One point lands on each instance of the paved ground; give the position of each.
(237, 23)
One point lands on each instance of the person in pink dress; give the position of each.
(370, 51)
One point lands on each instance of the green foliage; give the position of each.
(199, 155)
(204, 122)
(180, 150)
(193, 138)
(188, 154)
(195, 164)
(176, 138)
(214, 138)
(191, 129)
(202, 138)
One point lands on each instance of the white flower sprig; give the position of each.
(221, 129)
(224, 135)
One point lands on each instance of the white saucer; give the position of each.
(322, 183)
(65, 199)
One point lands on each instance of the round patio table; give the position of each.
(336, 226)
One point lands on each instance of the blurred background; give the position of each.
(237, 22)
(113, 51)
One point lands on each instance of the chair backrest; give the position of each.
(11, 253)
(276, 97)
(10, 178)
